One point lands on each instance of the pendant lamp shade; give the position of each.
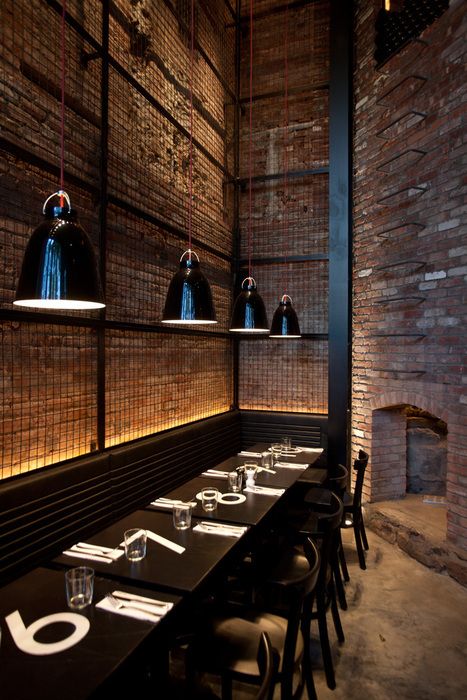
(189, 298)
(59, 268)
(285, 322)
(249, 312)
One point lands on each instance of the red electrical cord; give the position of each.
(250, 140)
(62, 116)
(190, 202)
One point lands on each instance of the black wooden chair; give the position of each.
(227, 642)
(353, 515)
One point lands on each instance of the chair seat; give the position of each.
(233, 642)
(348, 501)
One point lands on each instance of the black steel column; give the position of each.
(103, 186)
(340, 223)
(236, 203)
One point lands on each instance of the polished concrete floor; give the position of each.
(406, 632)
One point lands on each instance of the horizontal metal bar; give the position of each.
(298, 4)
(281, 260)
(281, 93)
(12, 315)
(397, 335)
(280, 176)
(258, 336)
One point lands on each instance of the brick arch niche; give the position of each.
(388, 473)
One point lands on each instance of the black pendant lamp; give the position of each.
(285, 322)
(249, 312)
(59, 269)
(189, 298)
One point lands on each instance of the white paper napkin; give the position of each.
(291, 465)
(216, 473)
(245, 453)
(317, 450)
(212, 530)
(170, 503)
(105, 604)
(160, 540)
(264, 490)
(84, 555)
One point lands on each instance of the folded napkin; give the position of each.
(161, 607)
(245, 453)
(312, 449)
(106, 605)
(215, 472)
(213, 528)
(170, 503)
(83, 550)
(265, 490)
(291, 465)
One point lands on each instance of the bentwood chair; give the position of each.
(227, 642)
(353, 515)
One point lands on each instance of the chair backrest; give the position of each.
(338, 482)
(359, 466)
(267, 664)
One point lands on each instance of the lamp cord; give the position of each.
(286, 152)
(190, 202)
(62, 115)
(250, 141)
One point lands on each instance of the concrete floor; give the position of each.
(406, 632)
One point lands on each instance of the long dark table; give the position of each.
(282, 479)
(314, 458)
(112, 641)
(161, 568)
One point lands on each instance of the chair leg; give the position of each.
(336, 618)
(325, 646)
(306, 662)
(343, 562)
(363, 533)
(358, 542)
(339, 584)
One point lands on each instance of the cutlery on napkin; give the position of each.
(160, 540)
(171, 502)
(83, 550)
(266, 490)
(214, 528)
(291, 465)
(106, 604)
(245, 453)
(311, 449)
(216, 472)
(162, 605)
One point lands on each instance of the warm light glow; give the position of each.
(249, 330)
(61, 304)
(285, 337)
(387, 5)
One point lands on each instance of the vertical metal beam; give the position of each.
(340, 134)
(103, 201)
(236, 213)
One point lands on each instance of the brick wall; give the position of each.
(153, 380)
(410, 253)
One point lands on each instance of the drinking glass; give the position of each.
(182, 516)
(235, 481)
(209, 498)
(276, 451)
(79, 585)
(135, 544)
(267, 460)
(286, 443)
(250, 470)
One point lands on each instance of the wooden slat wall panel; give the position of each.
(263, 426)
(42, 513)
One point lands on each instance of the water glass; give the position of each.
(250, 470)
(267, 460)
(135, 544)
(182, 516)
(209, 499)
(286, 443)
(276, 451)
(79, 585)
(235, 482)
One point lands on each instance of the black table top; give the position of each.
(162, 567)
(76, 672)
(251, 512)
(308, 457)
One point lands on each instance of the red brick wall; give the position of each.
(153, 381)
(409, 218)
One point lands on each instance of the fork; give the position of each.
(143, 607)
